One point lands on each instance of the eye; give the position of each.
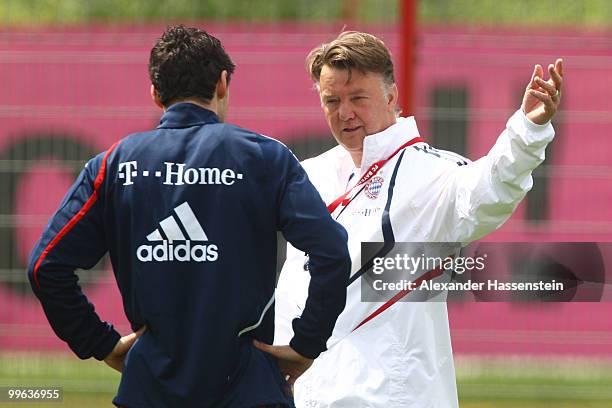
(331, 102)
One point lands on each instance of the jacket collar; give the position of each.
(185, 114)
(380, 145)
(375, 147)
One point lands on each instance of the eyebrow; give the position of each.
(325, 95)
(328, 96)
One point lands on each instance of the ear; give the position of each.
(222, 85)
(155, 97)
(392, 95)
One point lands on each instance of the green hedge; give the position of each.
(576, 13)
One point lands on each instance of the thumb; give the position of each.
(266, 348)
(128, 341)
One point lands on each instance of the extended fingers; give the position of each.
(556, 73)
(559, 66)
(538, 72)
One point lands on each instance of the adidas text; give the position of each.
(189, 243)
(183, 252)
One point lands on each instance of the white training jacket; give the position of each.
(403, 357)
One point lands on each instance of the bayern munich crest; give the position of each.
(373, 188)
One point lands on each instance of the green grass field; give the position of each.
(482, 383)
(541, 382)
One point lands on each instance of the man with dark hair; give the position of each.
(189, 214)
(384, 183)
(188, 63)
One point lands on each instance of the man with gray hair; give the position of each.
(383, 183)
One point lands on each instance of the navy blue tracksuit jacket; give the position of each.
(189, 214)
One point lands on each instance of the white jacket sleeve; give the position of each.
(489, 189)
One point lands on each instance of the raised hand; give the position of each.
(542, 98)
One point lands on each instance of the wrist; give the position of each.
(105, 349)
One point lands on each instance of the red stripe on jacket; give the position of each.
(78, 216)
(434, 273)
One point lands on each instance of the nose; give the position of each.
(345, 111)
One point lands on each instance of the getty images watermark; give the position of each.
(507, 272)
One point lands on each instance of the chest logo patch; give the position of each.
(372, 189)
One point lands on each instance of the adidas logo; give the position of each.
(166, 250)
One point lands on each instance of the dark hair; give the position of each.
(187, 63)
(352, 49)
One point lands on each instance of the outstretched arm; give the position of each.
(488, 190)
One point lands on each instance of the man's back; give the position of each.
(189, 214)
(209, 202)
